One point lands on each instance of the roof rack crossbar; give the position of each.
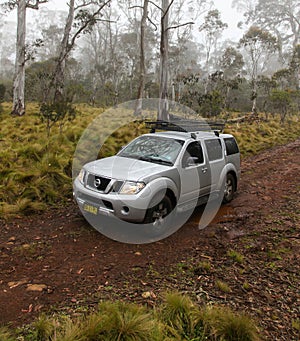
(184, 125)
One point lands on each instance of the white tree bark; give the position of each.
(63, 55)
(138, 108)
(163, 106)
(19, 80)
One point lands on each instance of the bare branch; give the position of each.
(132, 7)
(36, 4)
(86, 4)
(177, 26)
(153, 3)
(151, 22)
(167, 9)
(85, 25)
(106, 20)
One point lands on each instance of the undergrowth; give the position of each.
(177, 318)
(36, 170)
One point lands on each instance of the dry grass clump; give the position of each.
(177, 318)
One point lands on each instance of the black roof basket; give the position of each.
(185, 125)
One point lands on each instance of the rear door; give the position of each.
(216, 160)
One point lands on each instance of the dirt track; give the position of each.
(73, 266)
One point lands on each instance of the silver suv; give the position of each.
(158, 172)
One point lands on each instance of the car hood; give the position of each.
(122, 168)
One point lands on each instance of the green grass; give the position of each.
(223, 324)
(235, 256)
(36, 170)
(5, 334)
(222, 286)
(177, 318)
(257, 136)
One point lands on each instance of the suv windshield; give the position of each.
(153, 149)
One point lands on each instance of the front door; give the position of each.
(195, 175)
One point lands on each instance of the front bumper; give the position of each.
(131, 208)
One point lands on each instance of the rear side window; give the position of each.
(231, 146)
(214, 149)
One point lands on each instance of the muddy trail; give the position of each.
(57, 262)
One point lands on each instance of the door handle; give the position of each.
(204, 169)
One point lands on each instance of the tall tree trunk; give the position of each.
(59, 76)
(163, 106)
(19, 80)
(139, 102)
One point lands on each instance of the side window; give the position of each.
(231, 146)
(193, 154)
(214, 149)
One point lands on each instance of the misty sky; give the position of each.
(228, 14)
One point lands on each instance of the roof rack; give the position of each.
(185, 125)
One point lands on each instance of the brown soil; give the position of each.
(73, 266)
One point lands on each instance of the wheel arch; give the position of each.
(172, 196)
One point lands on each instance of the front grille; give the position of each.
(98, 183)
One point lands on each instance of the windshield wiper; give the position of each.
(130, 156)
(156, 160)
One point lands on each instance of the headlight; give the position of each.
(131, 187)
(81, 175)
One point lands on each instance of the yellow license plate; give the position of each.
(90, 208)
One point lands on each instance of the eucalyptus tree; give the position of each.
(294, 67)
(282, 19)
(141, 88)
(259, 45)
(20, 60)
(81, 18)
(231, 64)
(212, 28)
(165, 27)
(150, 10)
(247, 7)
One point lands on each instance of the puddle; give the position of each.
(225, 214)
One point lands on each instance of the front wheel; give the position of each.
(156, 215)
(229, 189)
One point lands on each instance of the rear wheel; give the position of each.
(229, 189)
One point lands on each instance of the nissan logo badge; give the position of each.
(97, 182)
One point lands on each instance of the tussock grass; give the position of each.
(43, 328)
(177, 318)
(183, 318)
(5, 335)
(254, 137)
(223, 286)
(223, 324)
(127, 321)
(35, 170)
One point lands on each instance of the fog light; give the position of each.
(125, 210)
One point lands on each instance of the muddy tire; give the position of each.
(156, 215)
(229, 188)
